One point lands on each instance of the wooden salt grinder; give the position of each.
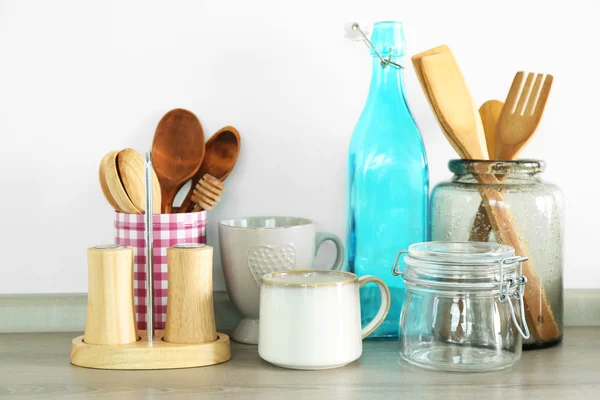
(110, 311)
(190, 309)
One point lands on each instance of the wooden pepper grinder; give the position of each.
(110, 315)
(190, 309)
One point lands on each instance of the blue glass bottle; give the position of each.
(388, 181)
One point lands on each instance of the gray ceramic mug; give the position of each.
(253, 246)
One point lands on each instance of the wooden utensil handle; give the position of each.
(507, 232)
(481, 229)
(187, 205)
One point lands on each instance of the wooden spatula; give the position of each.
(460, 121)
(452, 103)
(489, 113)
(419, 71)
(521, 114)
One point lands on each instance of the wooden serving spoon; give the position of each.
(222, 151)
(131, 170)
(490, 113)
(177, 152)
(109, 170)
(103, 183)
(451, 101)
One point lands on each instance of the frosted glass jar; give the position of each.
(464, 307)
(457, 214)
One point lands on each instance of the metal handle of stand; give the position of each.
(149, 251)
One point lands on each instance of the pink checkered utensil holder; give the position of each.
(169, 230)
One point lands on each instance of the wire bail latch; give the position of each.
(353, 28)
(505, 287)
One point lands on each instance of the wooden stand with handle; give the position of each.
(110, 340)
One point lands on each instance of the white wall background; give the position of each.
(78, 79)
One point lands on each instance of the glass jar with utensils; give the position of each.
(464, 308)
(523, 207)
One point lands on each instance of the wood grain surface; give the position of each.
(190, 307)
(159, 355)
(110, 312)
(36, 366)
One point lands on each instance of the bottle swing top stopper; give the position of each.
(354, 32)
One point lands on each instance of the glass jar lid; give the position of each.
(458, 265)
(460, 252)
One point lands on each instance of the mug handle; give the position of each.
(339, 247)
(384, 308)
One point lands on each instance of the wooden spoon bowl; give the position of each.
(130, 165)
(222, 151)
(177, 152)
(112, 180)
(104, 184)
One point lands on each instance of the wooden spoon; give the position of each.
(103, 184)
(451, 101)
(490, 113)
(177, 152)
(131, 169)
(222, 151)
(522, 114)
(115, 187)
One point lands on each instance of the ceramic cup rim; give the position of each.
(232, 222)
(267, 279)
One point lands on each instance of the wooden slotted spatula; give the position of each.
(451, 101)
(521, 114)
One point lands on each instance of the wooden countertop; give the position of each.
(36, 365)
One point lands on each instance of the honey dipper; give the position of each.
(207, 193)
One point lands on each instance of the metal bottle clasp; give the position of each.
(383, 61)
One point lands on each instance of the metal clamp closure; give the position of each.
(396, 268)
(383, 61)
(507, 284)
